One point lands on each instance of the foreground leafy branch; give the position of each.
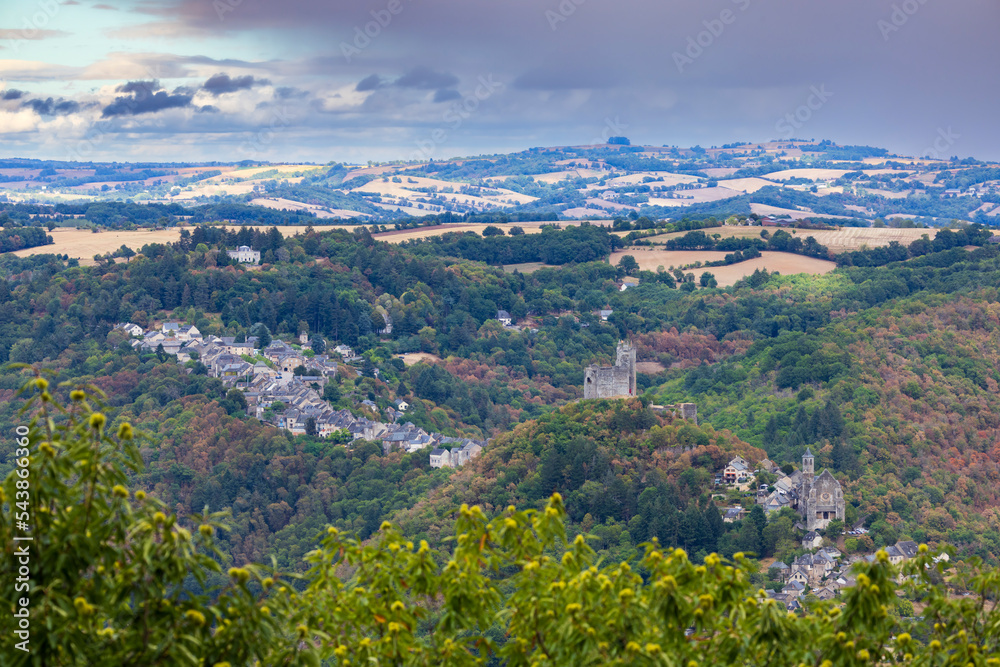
(116, 579)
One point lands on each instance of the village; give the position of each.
(282, 385)
(824, 570)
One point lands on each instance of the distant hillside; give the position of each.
(802, 180)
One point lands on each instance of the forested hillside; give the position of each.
(889, 373)
(627, 476)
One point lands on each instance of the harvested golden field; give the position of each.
(853, 238)
(83, 244)
(747, 185)
(426, 232)
(416, 357)
(783, 262)
(846, 238)
(794, 214)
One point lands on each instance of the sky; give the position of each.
(374, 80)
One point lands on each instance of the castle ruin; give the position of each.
(612, 381)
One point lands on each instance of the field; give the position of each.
(747, 185)
(783, 262)
(279, 204)
(527, 267)
(847, 238)
(408, 190)
(812, 174)
(426, 232)
(83, 244)
(416, 357)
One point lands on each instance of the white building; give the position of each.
(131, 329)
(245, 255)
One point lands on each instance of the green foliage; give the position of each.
(115, 578)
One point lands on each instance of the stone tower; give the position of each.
(808, 463)
(625, 358)
(616, 381)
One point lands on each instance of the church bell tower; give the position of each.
(808, 463)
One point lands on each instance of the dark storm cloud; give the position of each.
(371, 82)
(223, 83)
(50, 107)
(424, 78)
(140, 99)
(12, 94)
(138, 87)
(688, 71)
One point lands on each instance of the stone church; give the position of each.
(616, 381)
(821, 500)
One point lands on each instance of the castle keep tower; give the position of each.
(612, 381)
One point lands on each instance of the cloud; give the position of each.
(221, 84)
(289, 93)
(33, 33)
(425, 78)
(12, 94)
(50, 107)
(139, 87)
(107, 7)
(17, 121)
(142, 99)
(33, 70)
(446, 95)
(371, 82)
